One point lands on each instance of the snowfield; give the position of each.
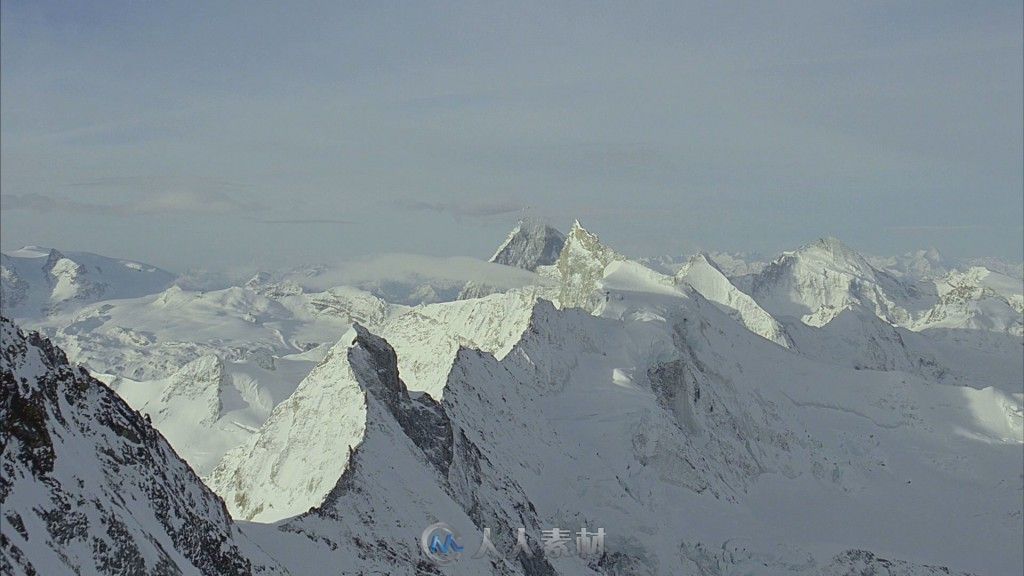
(821, 413)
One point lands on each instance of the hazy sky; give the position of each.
(207, 133)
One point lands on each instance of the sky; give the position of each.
(211, 134)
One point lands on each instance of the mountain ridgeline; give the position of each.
(711, 418)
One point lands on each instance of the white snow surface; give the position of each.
(89, 487)
(824, 414)
(37, 281)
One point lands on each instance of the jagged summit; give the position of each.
(704, 259)
(529, 245)
(581, 266)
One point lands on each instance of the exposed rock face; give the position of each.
(407, 464)
(89, 487)
(529, 245)
(581, 266)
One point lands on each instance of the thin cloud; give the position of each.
(179, 202)
(46, 204)
(934, 228)
(190, 202)
(306, 221)
(156, 182)
(463, 209)
(417, 268)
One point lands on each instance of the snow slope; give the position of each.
(38, 281)
(810, 419)
(663, 432)
(89, 487)
(706, 278)
(816, 283)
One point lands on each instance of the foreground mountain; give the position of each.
(37, 281)
(89, 487)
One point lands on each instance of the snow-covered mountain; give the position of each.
(820, 280)
(730, 263)
(930, 264)
(90, 487)
(919, 264)
(707, 278)
(711, 423)
(976, 299)
(209, 367)
(816, 283)
(38, 281)
(614, 419)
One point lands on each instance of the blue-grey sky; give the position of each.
(213, 133)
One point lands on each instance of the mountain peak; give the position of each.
(831, 244)
(529, 245)
(581, 265)
(52, 257)
(833, 252)
(704, 259)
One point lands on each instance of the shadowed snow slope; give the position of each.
(705, 277)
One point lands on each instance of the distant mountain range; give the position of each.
(822, 412)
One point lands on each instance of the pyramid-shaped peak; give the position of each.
(831, 243)
(530, 244)
(579, 233)
(53, 256)
(704, 258)
(578, 228)
(700, 261)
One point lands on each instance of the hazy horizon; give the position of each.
(216, 135)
